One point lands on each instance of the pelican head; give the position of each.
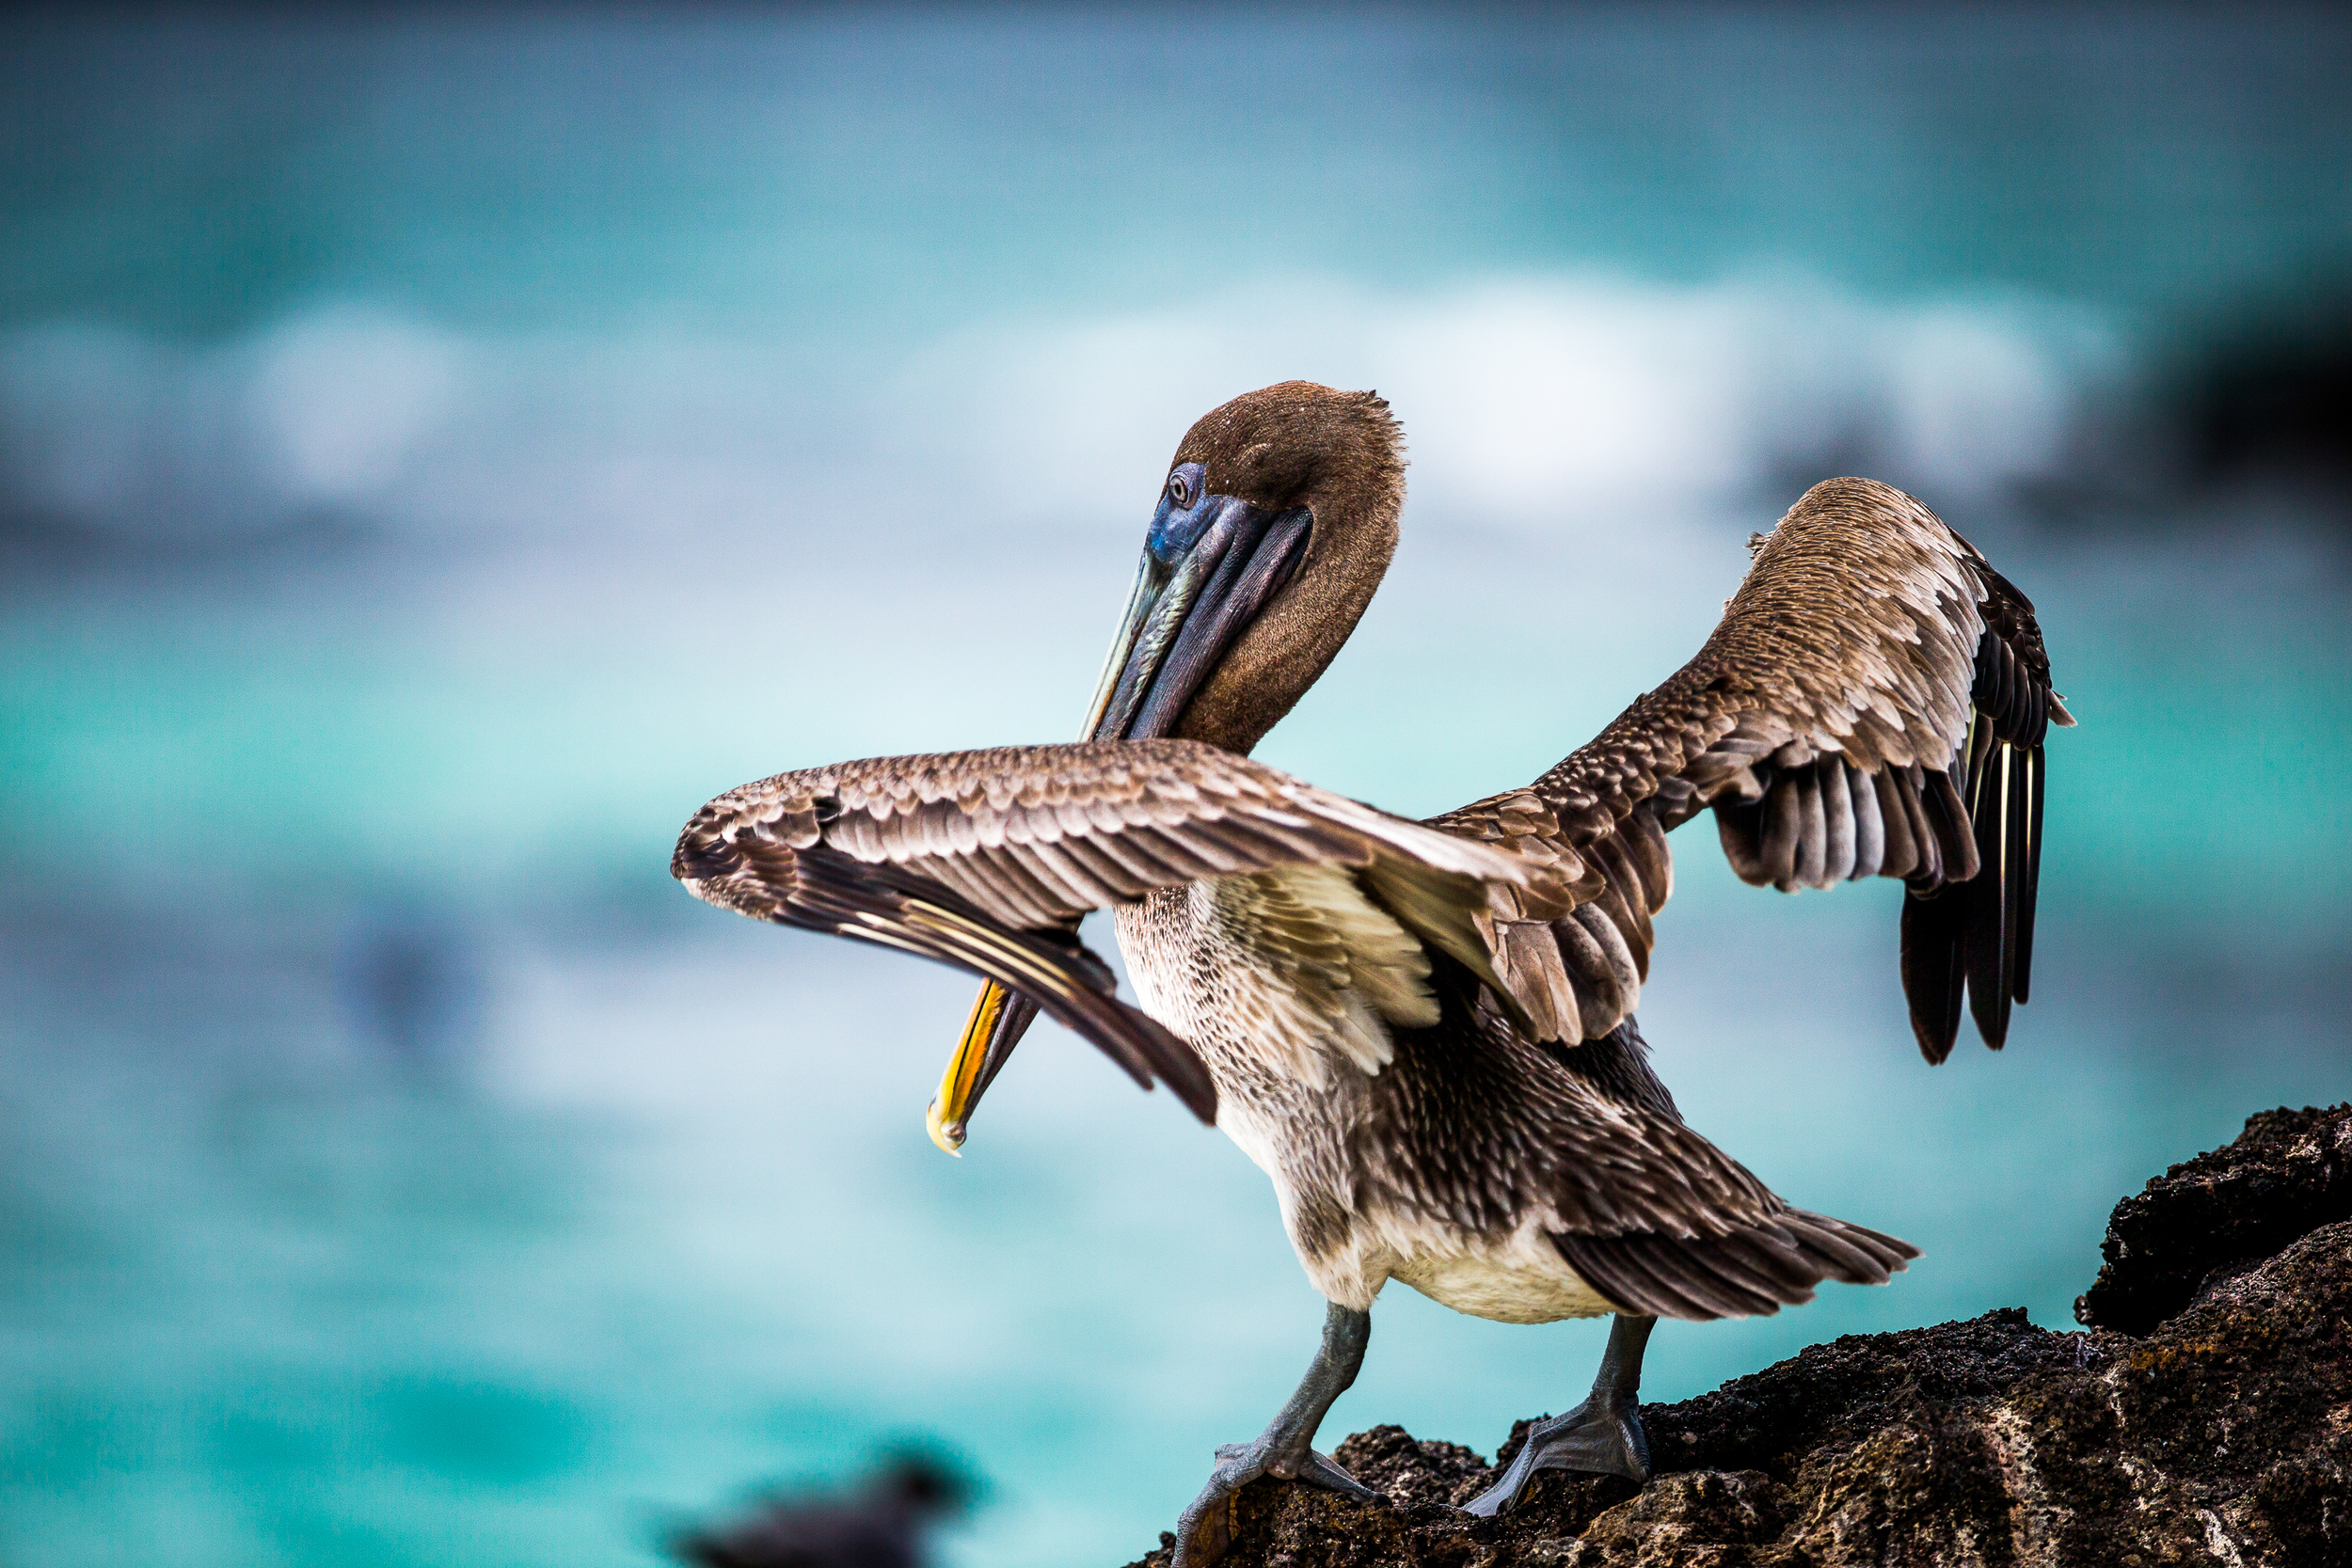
(1273, 525)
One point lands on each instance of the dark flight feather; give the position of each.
(1933, 976)
(1754, 1271)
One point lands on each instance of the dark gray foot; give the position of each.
(1601, 1437)
(1285, 1450)
(1206, 1528)
(1600, 1441)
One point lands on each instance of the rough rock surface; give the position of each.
(2218, 1432)
(2289, 1173)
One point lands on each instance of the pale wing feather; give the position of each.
(987, 859)
(1035, 835)
(1338, 971)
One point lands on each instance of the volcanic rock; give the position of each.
(2203, 1416)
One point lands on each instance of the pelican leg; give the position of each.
(1285, 1448)
(1602, 1435)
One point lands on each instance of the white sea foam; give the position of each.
(1531, 403)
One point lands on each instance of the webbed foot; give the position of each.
(1598, 1438)
(1601, 1437)
(1204, 1530)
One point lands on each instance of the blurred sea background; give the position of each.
(440, 448)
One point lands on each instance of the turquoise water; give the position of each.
(439, 456)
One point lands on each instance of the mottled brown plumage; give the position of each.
(985, 859)
(1424, 1032)
(1824, 721)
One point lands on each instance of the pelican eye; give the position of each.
(1182, 512)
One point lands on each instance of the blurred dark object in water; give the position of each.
(412, 987)
(884, 1524)
(2272, 400)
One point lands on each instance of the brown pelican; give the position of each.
(1424, 1032)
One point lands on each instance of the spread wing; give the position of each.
(1873, 703)
(986, 860)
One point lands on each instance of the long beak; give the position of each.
(1181, 619)
(1185, 615)
(1152, 579)
(999, 1020)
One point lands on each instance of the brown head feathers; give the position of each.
(1341, 455)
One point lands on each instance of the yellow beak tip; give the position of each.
(957, 1085)
(949, 1137)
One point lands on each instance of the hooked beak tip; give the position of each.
(949, 1135)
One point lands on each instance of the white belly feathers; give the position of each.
(1524, 1280)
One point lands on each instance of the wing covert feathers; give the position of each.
(758, 871)
(1873, 703)
(986, 860)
